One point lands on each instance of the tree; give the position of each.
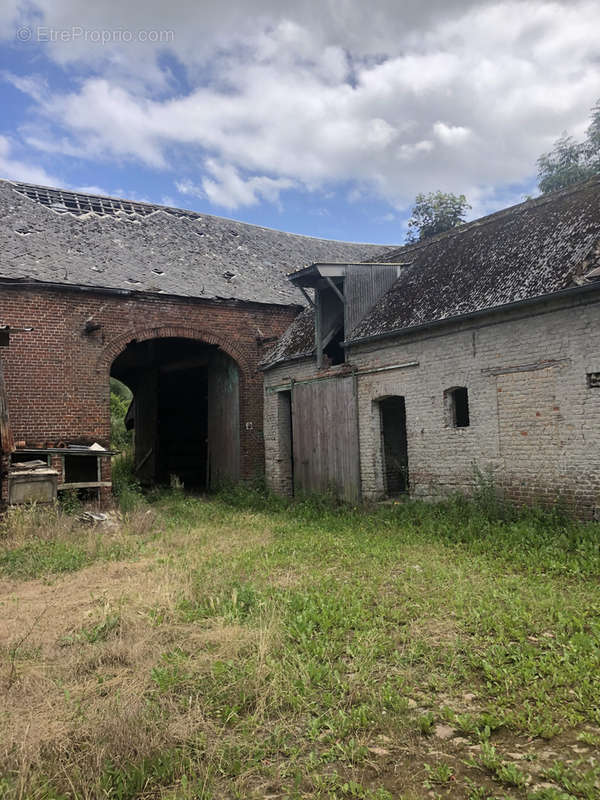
(570, 161)
(436, 212)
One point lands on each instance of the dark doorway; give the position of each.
(185, 411)
(286, 438)
(392, 412)
(182, 425)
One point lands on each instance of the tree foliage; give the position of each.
(436, 212)
(570, 161)
(120, 398)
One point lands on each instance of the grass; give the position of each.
(241, 646)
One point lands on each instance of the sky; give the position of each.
(317, 117)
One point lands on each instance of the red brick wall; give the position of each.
(57, 376)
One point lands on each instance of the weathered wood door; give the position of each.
(223, 420)
(145, 411)
(325, 436)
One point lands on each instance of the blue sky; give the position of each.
(319, 118)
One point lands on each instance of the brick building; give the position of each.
(478, 349)
(180, 306)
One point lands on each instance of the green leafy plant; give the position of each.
(425, 723)
(440, 773)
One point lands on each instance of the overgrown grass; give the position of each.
(259, 648)
(42, 541)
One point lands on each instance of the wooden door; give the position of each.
(325, 436)
(223, 420)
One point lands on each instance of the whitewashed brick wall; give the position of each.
(533, 419)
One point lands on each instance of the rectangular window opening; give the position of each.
(457, 402)
(81, 469)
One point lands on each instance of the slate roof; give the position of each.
(55, 236)
(524, 252)
(297, 342)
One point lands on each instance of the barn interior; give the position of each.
(184, 412)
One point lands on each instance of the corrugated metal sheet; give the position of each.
(363, 287)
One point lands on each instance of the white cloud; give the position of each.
(13, 169)
(451, 134)
(228, 189)
(33, 85)
(458, 96)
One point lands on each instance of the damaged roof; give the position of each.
(528, 251)
(70, 238)
(297, 342)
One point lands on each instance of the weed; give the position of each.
(267, 647)
(577, 778)
(43, 557)
(489, 757)
(92, 634)
(70, 501)
(334, 787)
(587, 737)
(477, 792)
(440, 773)
(125, 485)
(425, 723)
(511, 775)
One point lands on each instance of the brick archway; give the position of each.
(117, 345)
(209, 402)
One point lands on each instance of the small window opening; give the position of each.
(81, 469)
(593, 380)
(457, 407)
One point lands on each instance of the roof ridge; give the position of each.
(531, 202)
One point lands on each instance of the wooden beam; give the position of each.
(337, 324)
(308, 297)
(318, 325)
(86, 485)
(138, 467)
(7, 444)
(335, 289)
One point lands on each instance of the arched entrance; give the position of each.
(185, 411)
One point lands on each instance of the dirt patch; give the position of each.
(63, 693)
(436, 631)
(49, 611)
(285, 579)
